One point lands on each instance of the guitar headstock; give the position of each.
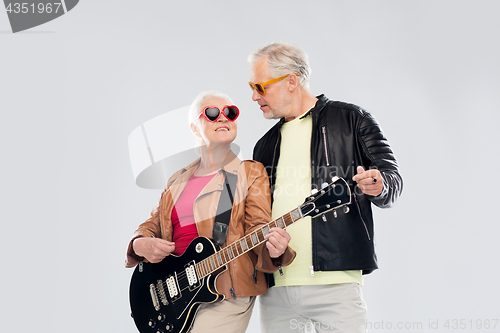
(332, 196)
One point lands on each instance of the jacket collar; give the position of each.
(320, 103)
(231, 165)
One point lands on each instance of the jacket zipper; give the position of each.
(323, 130)
(231, 290)
(361, 215)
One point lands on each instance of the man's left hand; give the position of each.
(277, 242)
(370, 181)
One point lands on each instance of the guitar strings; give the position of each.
(207, 264)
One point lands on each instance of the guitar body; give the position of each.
(165, 297)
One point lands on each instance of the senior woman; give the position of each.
(188, 207)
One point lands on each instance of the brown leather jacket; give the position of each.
(251, 209)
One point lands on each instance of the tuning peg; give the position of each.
(335, 213)
(314, 191)
(346, 209)
(323, 217)
(334, 179)
(325, 184)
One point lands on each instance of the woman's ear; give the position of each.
(195, 130)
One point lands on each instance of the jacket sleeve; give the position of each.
(378, 155)
(258, 213)
(150, 228)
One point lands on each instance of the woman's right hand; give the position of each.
(153, 249)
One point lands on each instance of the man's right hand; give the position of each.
(153, 249)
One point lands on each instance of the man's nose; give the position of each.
(255, 95)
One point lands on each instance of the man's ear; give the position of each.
(293, 82)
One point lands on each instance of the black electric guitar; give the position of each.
(165, 297)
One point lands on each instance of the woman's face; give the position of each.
(222, 130)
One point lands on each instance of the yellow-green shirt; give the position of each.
(293, 185)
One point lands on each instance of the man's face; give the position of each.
(274, 104)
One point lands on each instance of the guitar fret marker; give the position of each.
(254, 239)
(244, 244)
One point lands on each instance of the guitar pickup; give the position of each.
(193, 281)
(173, 288)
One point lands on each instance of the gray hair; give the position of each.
(283, 59)
(195, 108)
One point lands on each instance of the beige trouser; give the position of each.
(230, 315)
(335, 307)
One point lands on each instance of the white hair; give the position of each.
(195, 108)
(283, 59)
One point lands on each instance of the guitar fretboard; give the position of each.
(245, 244)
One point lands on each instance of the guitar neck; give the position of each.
(245, 244)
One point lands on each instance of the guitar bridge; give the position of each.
(161, 291)
(154, 297)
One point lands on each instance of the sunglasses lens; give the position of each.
(259, 89)
(231, 112)
(212, 113)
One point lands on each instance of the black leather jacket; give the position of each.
(343, 137)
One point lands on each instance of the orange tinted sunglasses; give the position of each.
(259, 87)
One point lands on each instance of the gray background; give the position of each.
(72, 90)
